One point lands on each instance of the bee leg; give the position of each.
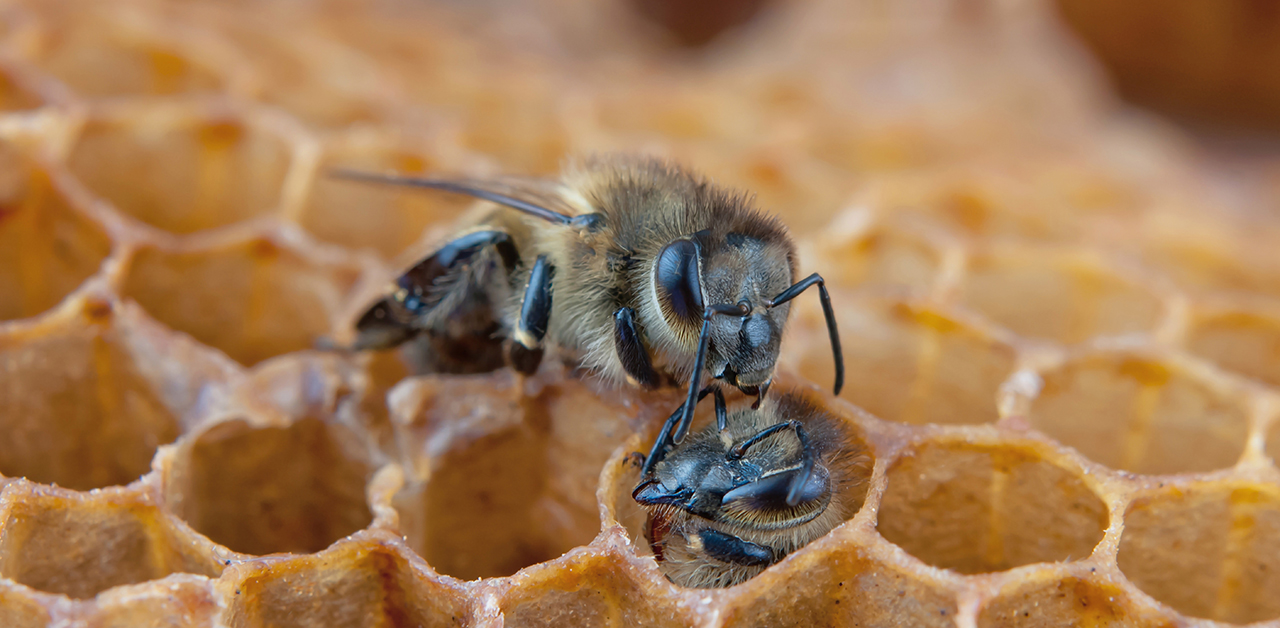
(798, 480)
(827, 311)
(525, 353)
(380, 329)
(731, 549)
(393, 320)
(663, 442)
(700, 361)
(631, 351)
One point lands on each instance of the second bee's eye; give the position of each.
(676, 278)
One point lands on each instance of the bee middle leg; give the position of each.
(525, 350)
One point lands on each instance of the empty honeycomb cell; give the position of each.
(879, 256)
(1058, 297)
(17, 89)
(1208, 550)
(365, 582)
(47, 248)
(510, 480)
(903, 361)
(1050, 600)
(381, 217)
(1142, 414)
(263, 489)
(177, 601)
(79, 544)
(20, 609)
(843, 586)
(182, 170)
(978, 509)
(80, 406)
(1243, 340)
(257, 299)
(121, 60)
(587, 587)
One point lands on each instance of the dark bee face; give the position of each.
(705, 479)
(691, 273)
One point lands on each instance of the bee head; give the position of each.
(741, 479)
(701, 271)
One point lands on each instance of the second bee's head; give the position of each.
(744, 271)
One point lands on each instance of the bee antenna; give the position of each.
(699, 363)
(832, 332)
(455, 186)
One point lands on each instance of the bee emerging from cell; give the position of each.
(748, 490)
(640, 270)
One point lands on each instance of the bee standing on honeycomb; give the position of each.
(644, 270)
(748, 490)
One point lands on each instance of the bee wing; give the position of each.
(543, 198)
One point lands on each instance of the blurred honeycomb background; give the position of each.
(1061, 311)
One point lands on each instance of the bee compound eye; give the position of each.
(676, 279)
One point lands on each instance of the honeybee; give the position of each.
(644, 270)
(743, 493)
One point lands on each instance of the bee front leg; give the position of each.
(525, 351)
(631, 351)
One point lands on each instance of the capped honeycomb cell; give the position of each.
(506, 475)
(366, 581)
(982, 508)
(1141, 413)
(261, 296)
(1243, 340)
(129, 58)
(267, 488)
(82, 544)
(182, 168)
(1065, 298)
(47, 247)
(1052, 599)
(1208, 549)
(382, 217)
(904, 361)
(86, 402)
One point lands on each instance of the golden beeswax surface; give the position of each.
(1061, 319)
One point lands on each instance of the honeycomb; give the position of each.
(1061, 323)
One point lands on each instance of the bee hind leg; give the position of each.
(525, 349)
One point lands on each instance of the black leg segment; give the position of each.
(525, 352)
(731, 549)
(827, 311)
(700, 363)
(394, 319)
(797, 481)
(663, 442)
(631, 351)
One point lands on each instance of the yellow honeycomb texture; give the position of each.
(1062, 324)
